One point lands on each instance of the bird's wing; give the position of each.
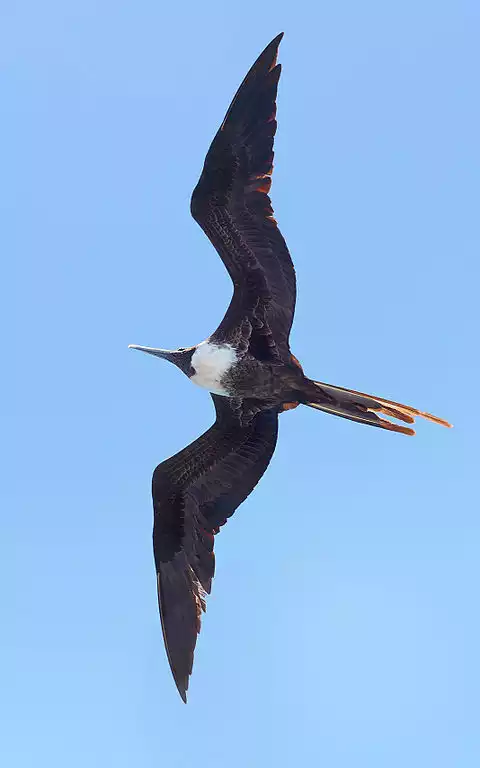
(231, 204)
(194, 492)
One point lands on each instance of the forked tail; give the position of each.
(363, 408)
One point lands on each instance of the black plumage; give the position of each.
(246, 363)
(194, 493)
(231, 204)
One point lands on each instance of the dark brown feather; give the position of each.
(194, 493)
(231, 204)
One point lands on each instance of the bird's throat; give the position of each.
(211, 363)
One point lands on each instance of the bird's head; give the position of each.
(181, 357)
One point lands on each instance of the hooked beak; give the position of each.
(167, 354)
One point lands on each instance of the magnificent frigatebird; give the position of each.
(246, 364)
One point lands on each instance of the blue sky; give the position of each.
(343, 626)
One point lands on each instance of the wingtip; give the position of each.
(182, 685)
(274, 44)
(268, 57)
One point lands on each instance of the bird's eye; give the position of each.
(181, 349)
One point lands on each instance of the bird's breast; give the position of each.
(211, 362)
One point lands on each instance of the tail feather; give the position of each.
(358, 406)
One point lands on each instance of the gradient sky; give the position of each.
(343, 628)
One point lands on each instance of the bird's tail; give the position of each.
(363, 408)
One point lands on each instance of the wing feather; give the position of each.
(232, 205)
(194, 493)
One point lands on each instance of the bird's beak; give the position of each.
(167, 354)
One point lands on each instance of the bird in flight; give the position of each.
(246, 364)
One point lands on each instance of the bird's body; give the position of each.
(246, 364)
(231, 372)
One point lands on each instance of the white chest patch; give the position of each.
(211, 362)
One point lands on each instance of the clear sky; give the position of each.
(343, 627)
